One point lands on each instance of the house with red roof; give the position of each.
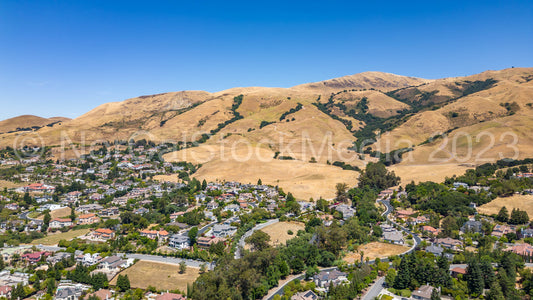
(34, 257)
(152, 234)
(103, 234)
(5, 291)
(88, 219)
(170, 296)
(39, 188)
(521, 249)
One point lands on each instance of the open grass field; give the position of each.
(429, 172)
(54, 238)
(374, 250)
(524, 202)
(9, 184)
(58, 213)
(278, 231)
(160, 275)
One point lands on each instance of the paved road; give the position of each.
(167, 260)
(416, 238)
(249, 233)
(374, 290)
(279, 289)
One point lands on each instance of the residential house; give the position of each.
(501, 230)
(39, 188)
(307, 295)
(88, 219)
(423, 293)
(430, 230)
(179, 241)
(109, 212)
(325, 278)
(435, 250)
(5, 291)
(103, 234)
(472, 226)
(68, 293)
(34, 257)
(57, 257)
(417, 220)
(86, 208)
(232, 207)
(455, 272)
(346, 210)
(521, 249)
(113, 263)
(394, 237)
(170, 296)
(449, 243)
(206, 242)
(88, 259)
(102, 294)
(152, 234)
(212, 205)
(223, 230)
(527, 232)
(60, 223)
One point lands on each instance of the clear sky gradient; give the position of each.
(63, 58)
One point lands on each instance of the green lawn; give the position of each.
(54, 238)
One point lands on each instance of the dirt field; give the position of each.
(54, 238)
(524, 202)
(160, 275)
(278, 231)
(421, 173)
(58, 213)
(374, 250)
(9, 184)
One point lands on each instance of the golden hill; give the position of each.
(27, 122)
(312, 126)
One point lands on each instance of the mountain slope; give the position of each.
(243, 132)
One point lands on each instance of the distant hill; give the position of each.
(323, 122)
(28, 123)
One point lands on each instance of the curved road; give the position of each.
(248, 233)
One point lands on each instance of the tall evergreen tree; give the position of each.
(495, 292)
(474, 277)
(503, 215)
(403, 278)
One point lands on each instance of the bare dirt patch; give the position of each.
(375, 250)
(278, 232)
(523, 202)
(161, 276)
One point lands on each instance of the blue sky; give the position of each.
(63, 58)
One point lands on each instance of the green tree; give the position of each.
(495, 292)
(377, 177)
(46, 221)
(72, 214)
(204, 185)
(435, 294)
(259, 182)
(340, 189)
(50, 286)
(474, 277)
(183, 267)
(28, 201)
(259, 240)
(403, 278)
(192, 234)
(123, 283)
(203, 268)
(503, 215)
